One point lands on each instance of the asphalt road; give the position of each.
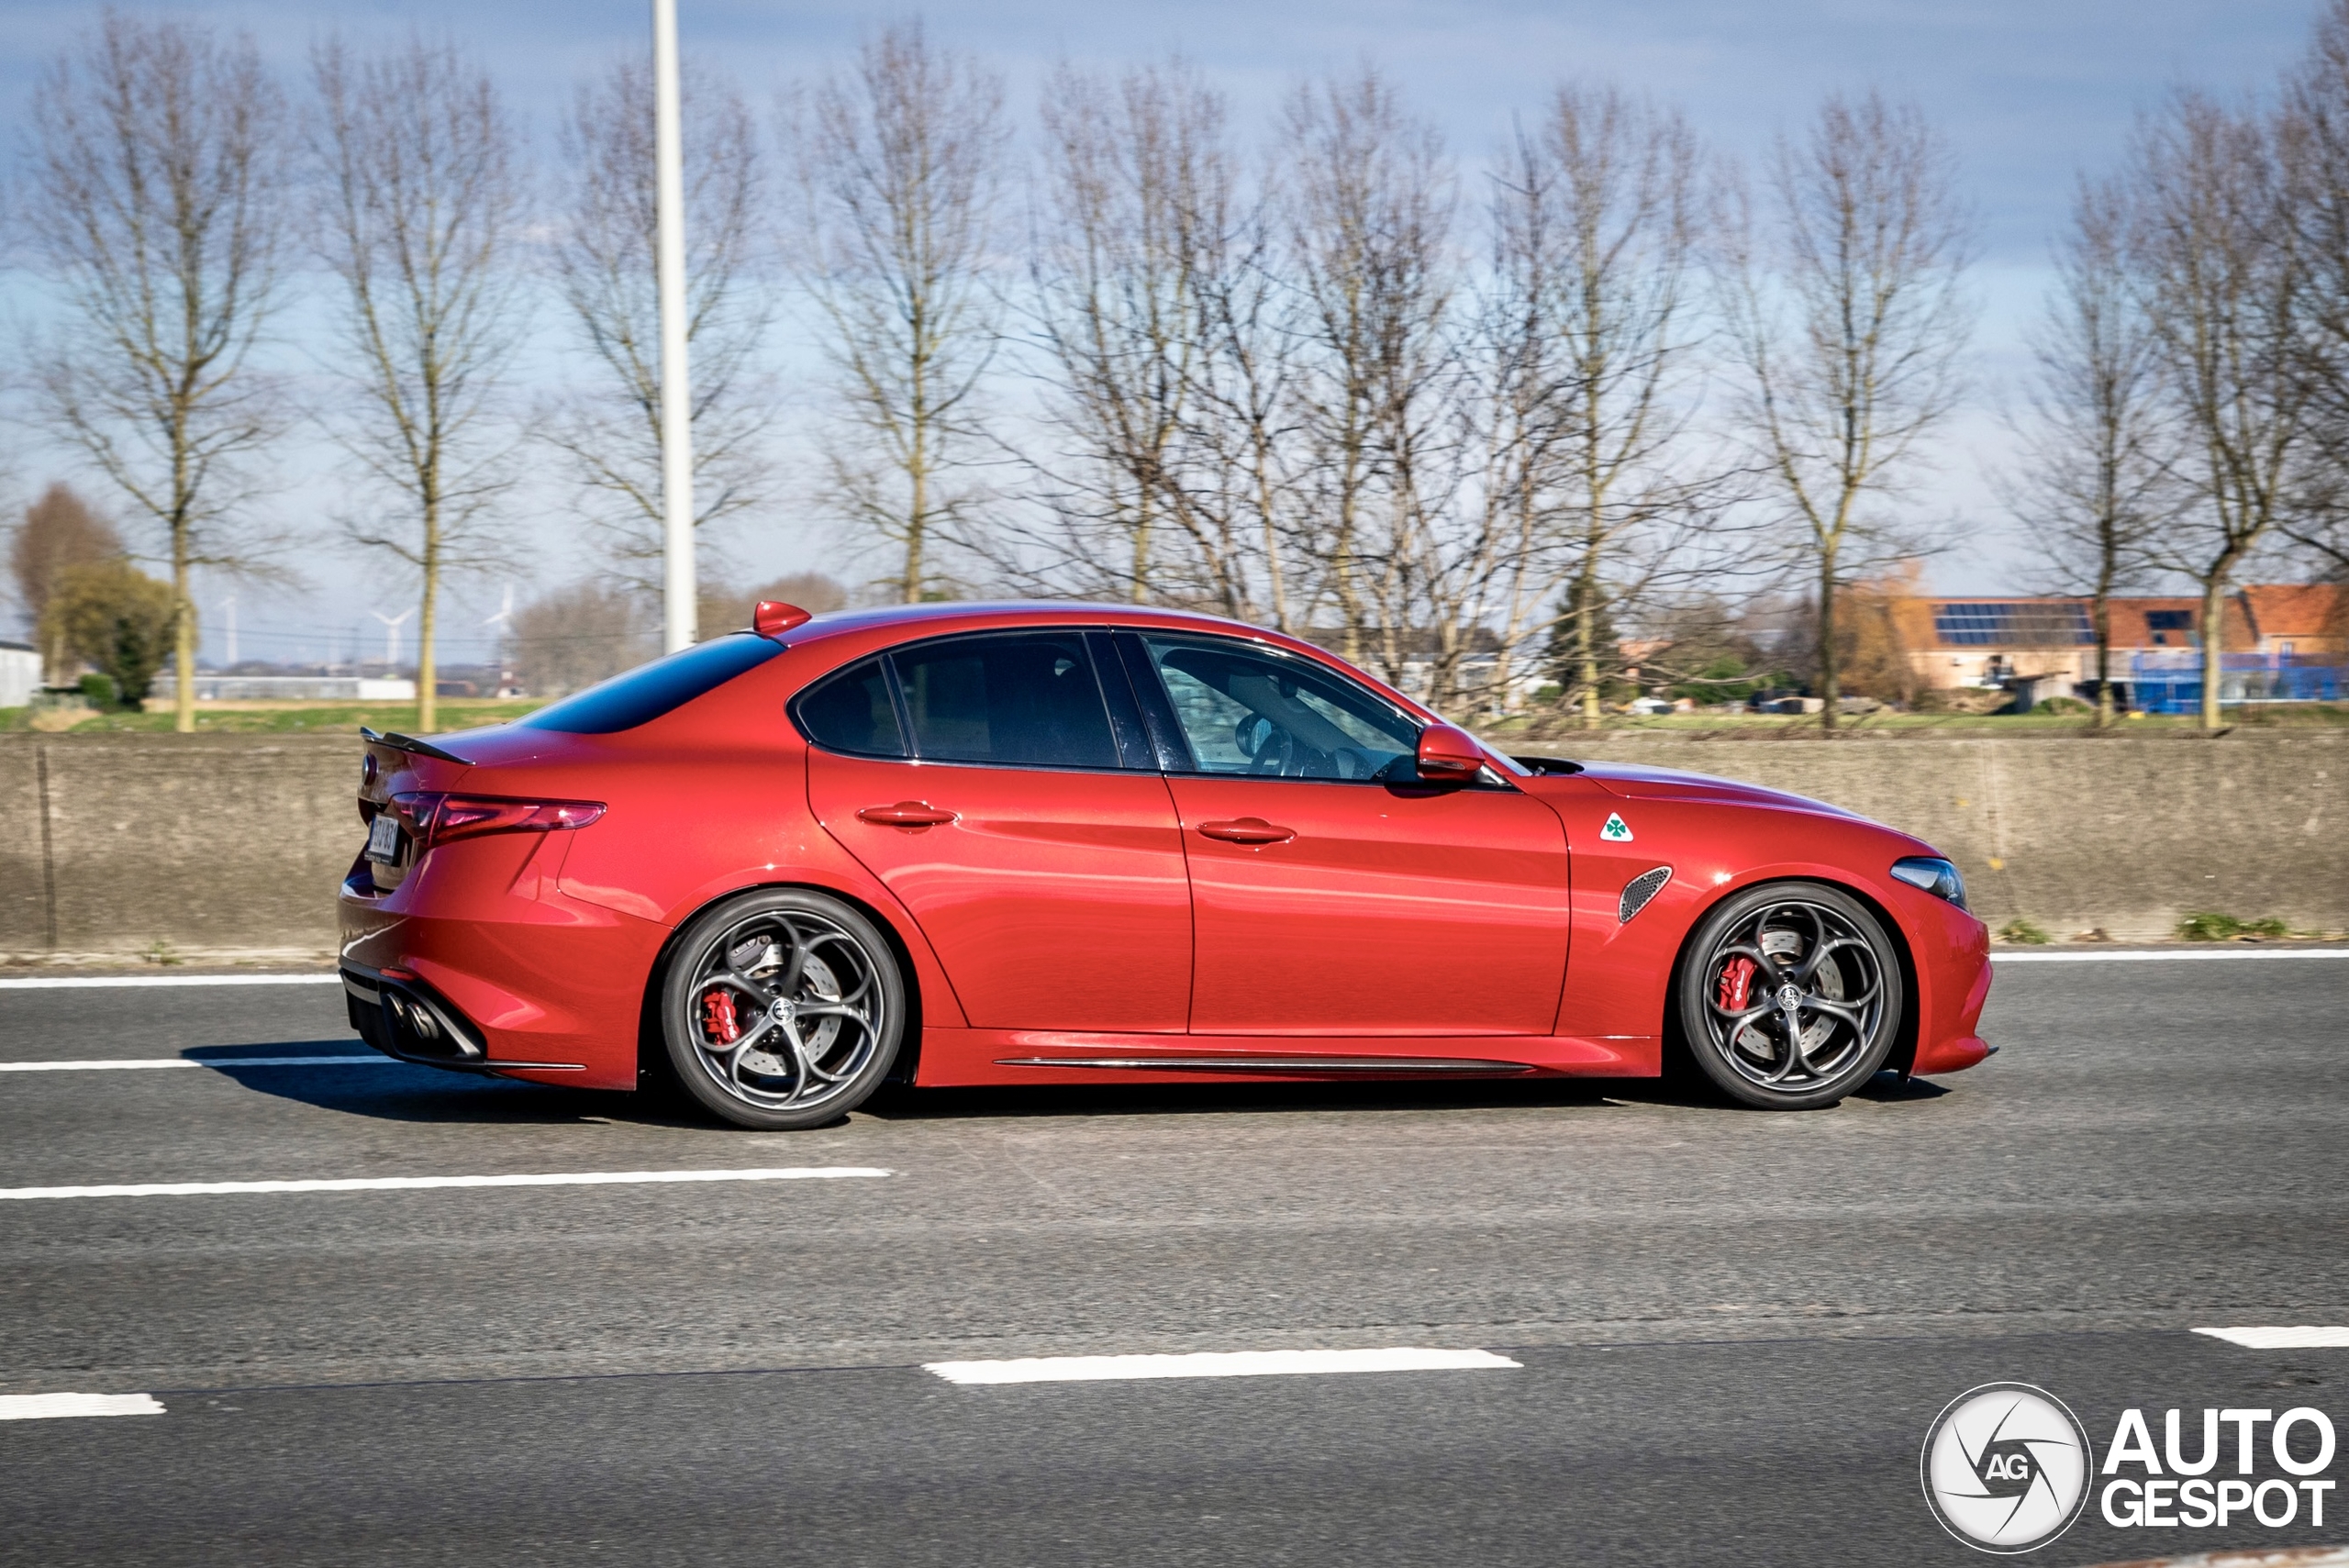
(1733, 1328)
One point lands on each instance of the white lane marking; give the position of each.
(1214, 1364)
(2164, 957)
(402, 1184)
(2300, 1338)
(348, 1060)
(48, 1406)
(88, 981)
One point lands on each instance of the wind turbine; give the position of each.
(392, 636)
(504, 621)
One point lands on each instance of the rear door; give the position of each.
(982, 780)
(1333, 892)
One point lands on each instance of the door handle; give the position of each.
(1247, 831)
(906, 814)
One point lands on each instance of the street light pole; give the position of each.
(676, 396)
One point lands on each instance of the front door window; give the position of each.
(1254, 713)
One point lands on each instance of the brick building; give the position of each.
(1990, 641)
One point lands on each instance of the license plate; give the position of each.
(383, 838)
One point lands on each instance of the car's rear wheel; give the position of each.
(782, 1009)
(1791, 996)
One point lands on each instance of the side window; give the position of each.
(1025, 698)
(852, 712)
(1244, 710)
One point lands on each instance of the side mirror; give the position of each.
(1446, 752)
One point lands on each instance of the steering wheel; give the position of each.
(1265, 744)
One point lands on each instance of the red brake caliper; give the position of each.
(718, 1016)
(1737, 984)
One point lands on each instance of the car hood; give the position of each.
(1632, 783)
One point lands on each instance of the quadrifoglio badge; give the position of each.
(2008, 1468)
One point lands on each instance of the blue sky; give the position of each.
(2029, 91)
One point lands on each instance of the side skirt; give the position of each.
(965, 1056)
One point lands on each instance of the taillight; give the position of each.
(432, 818)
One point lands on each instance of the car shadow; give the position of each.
(397, 1091)
(400, 1091)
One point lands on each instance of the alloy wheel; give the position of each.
(1794, 995)
(785, 1010)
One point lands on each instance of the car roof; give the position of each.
(957, 614)
(947, 617)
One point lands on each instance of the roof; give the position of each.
(14, 647)
(2309, 609)
(2253, 612)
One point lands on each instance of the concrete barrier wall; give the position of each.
(2124, 834)
(233, 845)
(214, 844)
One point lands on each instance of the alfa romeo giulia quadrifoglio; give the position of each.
(965, 844)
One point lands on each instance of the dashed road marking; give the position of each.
(51, 1406)
(2302, 1337)
(405, 1183)
(349, 1058)
(1215, 1363)
(95, 982)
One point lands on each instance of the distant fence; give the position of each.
(284, 688)
(220, 844)
(2172, 683)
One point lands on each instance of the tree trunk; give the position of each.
(182, 650)
(915, 520)
(427, 681)
(1587, 644)
(2214, 637)
(2102, 610)
(1830, 688)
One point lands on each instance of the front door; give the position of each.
(979, 778)
(1333, 892)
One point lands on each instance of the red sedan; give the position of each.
(1025, 843)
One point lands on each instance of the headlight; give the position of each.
(1936, 876)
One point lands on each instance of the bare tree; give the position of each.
(1865, 247)
(610, 433)
(2224, 286)
(1136, 200)
(59, 531)
(900, 163)
(2094, 490)
(423, 202)
(1371, 208)
(156, 206)
(570, 638)
(2316, 98)
(1246, 472)
(1628, 209)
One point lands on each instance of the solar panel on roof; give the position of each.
(2035, 623)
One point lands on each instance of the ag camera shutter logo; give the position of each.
(2006, 1468)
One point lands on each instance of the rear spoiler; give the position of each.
(409, 743)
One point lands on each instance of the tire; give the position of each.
(1797, 960)
(782, 1009)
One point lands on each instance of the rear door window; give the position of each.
(1028, 699)
(854, 712)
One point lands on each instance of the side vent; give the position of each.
(1640, 889)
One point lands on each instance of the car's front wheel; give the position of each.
(1790, 996)
(783, 1008)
